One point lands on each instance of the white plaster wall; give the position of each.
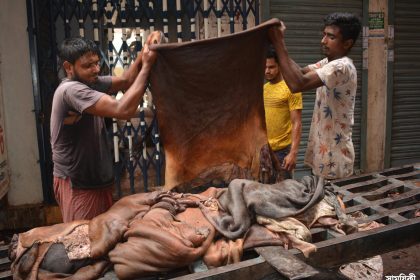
(16, 86)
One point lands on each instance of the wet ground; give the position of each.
(403, 261)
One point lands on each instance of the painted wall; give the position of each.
(16, 88)
(4, 163)
(377, 90)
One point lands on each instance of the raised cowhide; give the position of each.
(209, 101)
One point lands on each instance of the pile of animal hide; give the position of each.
(148, 233)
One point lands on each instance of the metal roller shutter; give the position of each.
(405, 138)
(304, 24)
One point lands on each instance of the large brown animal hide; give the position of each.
(208, 96)
(163, 239)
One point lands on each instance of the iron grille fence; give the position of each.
(119, 28)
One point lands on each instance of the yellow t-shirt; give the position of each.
(278, 102)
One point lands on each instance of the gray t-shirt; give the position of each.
(79, 142)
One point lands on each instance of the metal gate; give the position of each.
(119, 28)
(405, 137)
(303, 19)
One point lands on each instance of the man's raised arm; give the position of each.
(297, 79)
(126, 107)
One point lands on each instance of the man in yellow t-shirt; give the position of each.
(283, 115)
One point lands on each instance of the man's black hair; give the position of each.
(348, 23)
(73, 48)
(271, 53)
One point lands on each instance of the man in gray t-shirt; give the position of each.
(80, 145)
(83, 175)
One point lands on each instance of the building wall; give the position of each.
(16, 88)
(377, 90)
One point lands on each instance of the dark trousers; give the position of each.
(281, 154)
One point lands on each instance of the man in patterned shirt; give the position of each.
(283, 115)
(330, 151)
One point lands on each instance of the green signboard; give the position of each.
(376, 25)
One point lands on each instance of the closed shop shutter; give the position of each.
(405, 137)
(304, 23)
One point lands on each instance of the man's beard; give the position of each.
(324, 50)
(271, 78)
(77, 78)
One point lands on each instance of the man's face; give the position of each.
(272, 72)
(332, 44)
(86, 69)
